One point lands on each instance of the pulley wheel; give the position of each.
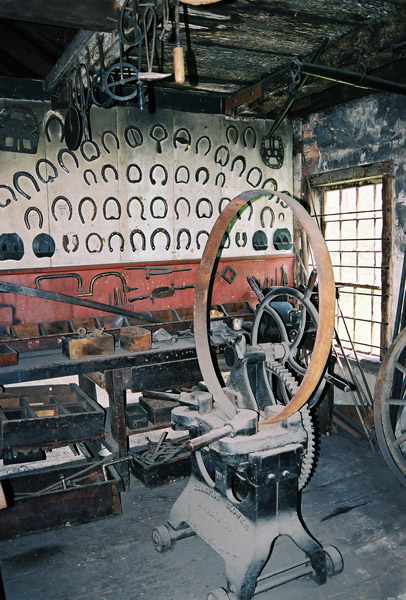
(73, 128)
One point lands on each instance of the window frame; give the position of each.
(374, 173)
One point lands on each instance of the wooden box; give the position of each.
(93, 495)
(135, 338)
(44, 416)
(159, 411)
(81, 346)
(8, 356)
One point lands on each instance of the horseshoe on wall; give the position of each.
(133, 166)
(151, 174)
(177, 176)
(89, 172)
(221, 204)
(202, 214)
(274, 184)
(187, 140)
(165, 205)
(251, 130)
(241, 159)
(114, 136)
(16, 183)
(201, 232)
(232, 128)
(251, 211)
(188, 241)
(81, 203)
(96, 150)
(155, 232)
(250, 172)
(67, 202)
(201, 138)
(226, 240)
(218, 159)
(133, 136)
(223, 177)
(206, 173)
(63, 151)
(182, 198)
(262, 219)
(49, 178)
(111, 168)
(99, 237)
(27, 214)
(114, 234)
(58, 119)
(141, 233)
(11, 191)
(113, 217)
(140, 203)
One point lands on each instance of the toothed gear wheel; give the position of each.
(290, 385)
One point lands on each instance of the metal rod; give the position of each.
(356, 239)
(363, 320)
(293, 95)
(12, 288)
(353, 78)
(354, 212)
(356, 266)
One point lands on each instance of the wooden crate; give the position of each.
(43, 416)
(81, 346)
(92, 496)
(135, 338)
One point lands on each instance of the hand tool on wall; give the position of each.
(6, 287)
(157, 270)
(60, 276)
(162, 292)
(178, 59)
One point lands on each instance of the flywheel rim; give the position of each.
(325, 329)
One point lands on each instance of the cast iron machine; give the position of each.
(251, 440)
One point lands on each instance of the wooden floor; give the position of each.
(353, 502)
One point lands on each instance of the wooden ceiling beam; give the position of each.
(374, 42)
(93, 15)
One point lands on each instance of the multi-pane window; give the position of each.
(352, 221)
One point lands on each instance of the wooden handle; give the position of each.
(3, 501)
(179, 64)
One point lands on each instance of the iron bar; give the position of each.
(356, 266)
(47, 295)
(363, 320)
(364, 344)
(353, 212)
(353, 78)
(356, 239)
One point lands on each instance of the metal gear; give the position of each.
(290, 385)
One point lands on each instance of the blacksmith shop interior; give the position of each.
(202, 300)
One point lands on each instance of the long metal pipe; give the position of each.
(360, 80)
